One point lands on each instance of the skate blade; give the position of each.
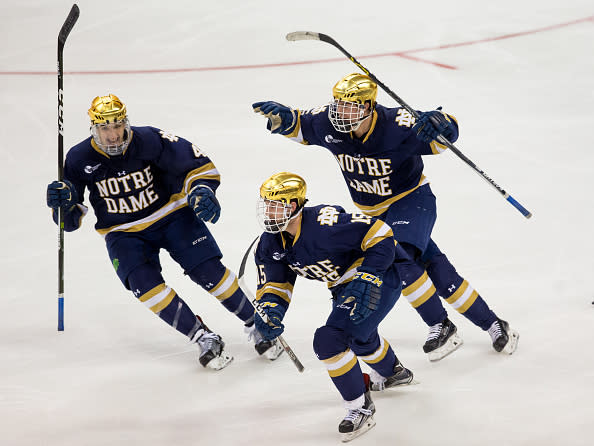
(453, 344)
(512, 343)
(274, 352)
(220, 362)
(364, 428)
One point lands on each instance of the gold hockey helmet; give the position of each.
(110, 126)
(275, 210)
(355, 87)
(285, 187)
(107, 109)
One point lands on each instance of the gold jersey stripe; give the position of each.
(371, 127)
(283, 290)
(296, 135)
(206, 172)
(177, 201)
(349, 273)
(380, 208)
(378, 232)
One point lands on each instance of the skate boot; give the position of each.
(269, 349)
(442, 340)
(358, 421)
(504, 338)
(212, 353)
(401, 377)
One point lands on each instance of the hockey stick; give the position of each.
(308, 35)
(62, 36)
(258, 306)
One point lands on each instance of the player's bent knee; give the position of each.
(328, 342)
(208, 273)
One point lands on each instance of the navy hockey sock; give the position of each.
(222, 283)
(341, 362)
(382, 359)
(148, 286)
(458, 292)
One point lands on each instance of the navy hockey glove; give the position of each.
(205, 205)
(274, 327)
(433, 123)
(364, 293)
(61, 194)
(281, 119)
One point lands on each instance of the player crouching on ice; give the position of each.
(354, 254)
(152, 190)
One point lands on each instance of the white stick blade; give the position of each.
(303, 35)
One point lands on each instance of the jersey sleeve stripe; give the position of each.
(206, 172)
(378, 232)
(282, 290)
(348, 274)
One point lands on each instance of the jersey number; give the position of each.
(261, 279)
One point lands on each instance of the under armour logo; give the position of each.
(137, 292)
(452, 288)
(122, 173)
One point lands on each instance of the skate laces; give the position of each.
(354, 414)
(254, 334)
(209, 341)
(495, 330)
(434, 331)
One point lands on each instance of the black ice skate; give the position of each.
(442, 340)
(504, 338)
(269, 349)
(402, 376)
(358, 421)
(212, 353)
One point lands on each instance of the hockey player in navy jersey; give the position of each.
(379, 151)
(152, 190)
(354, 255)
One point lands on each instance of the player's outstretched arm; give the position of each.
(281, 119)
(433, 123)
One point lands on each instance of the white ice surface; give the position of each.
(118, 376)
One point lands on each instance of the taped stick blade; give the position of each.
(303, 35)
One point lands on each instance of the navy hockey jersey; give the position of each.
(143, 186)
(382, 167)
(329, 246)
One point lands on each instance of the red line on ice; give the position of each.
(404, 54)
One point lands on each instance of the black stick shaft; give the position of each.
(258, 307)
(308, 35)
(62, 36)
